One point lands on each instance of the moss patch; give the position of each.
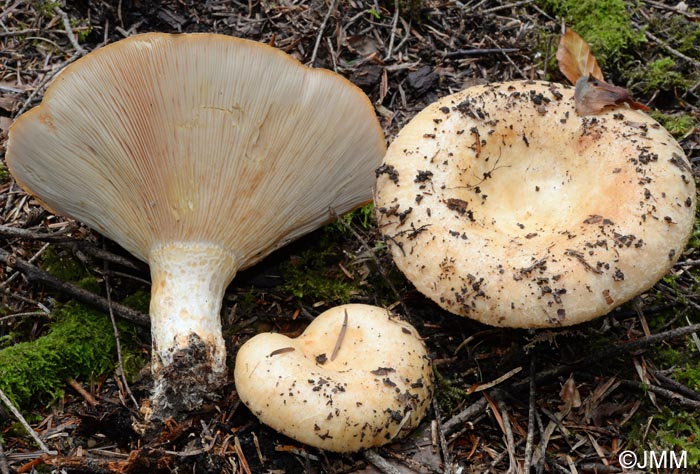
(140, 301)
(671, 430)
(661, 74)
(677, 125)
(605, 24)
(63, 266)
(79, 345)
(312, 275)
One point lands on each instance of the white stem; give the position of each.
(188, 283)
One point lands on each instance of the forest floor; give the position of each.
(567, 400)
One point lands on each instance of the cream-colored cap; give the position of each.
(373, 386)
(500, 203)
(198, 137)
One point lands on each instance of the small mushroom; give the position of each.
(502, 204)
(199, 154)
(357, 377)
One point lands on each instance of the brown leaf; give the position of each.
(569, 395)
(575, 58)
(592, 96)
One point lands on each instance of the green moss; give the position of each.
(63, 266)
(681, 34)
(4, 174)
(140, 300)
(670, 429)
(689, 375)
(678, 125)
(362, 217)
(46, 8)
(310, 276)
(449, 392)
(605, 24)
(661, 74)
(694, 242)
(315, 275)
(83, 28)
(80, 345)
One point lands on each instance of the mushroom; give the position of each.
(500, 203)
(357, 377)
(199, 154)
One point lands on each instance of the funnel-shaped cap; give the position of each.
(163, 138)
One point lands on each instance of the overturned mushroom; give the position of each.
(357, 377)
(502, 204)
(199, 154)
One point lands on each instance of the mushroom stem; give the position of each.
(188, 354)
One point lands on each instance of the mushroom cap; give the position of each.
(500, 203)
(198, 137)
(377, 388)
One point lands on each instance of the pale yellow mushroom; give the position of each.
(502, 204)
(357, 377)
(199, 154)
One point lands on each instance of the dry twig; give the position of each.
(37, 275)
(454, 423)
(120, 361)
(321, 29)
(379, 462)
(530, 420)
(24, 423)
(4, 466)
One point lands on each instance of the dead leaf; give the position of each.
(575, 58)
(592, 96)
(8, 103)
(569, 395)
(5, 123)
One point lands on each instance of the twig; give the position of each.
(24, 423)
(241, 456)
(503, 7)
(100, 253)
(69, 31)
(678, 387)
(508, 431)
(530, 420)
(4, 466)
(196, 452)
(394, 23)
(380, 269)
(599, 468)
(45, 80)
(665, 393)
(508, 58)
(493, 383)
(672, 51)
(446, 458)
(478, 52)
(67, 241)
(614, 350)
(454, 423)
(321, 29)
(673, 9)
(26, 234)
(23, 315)
(543, 445)
(379, 462)
(35, 274)
(84, 393)
(31, 260)
(120, 361)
